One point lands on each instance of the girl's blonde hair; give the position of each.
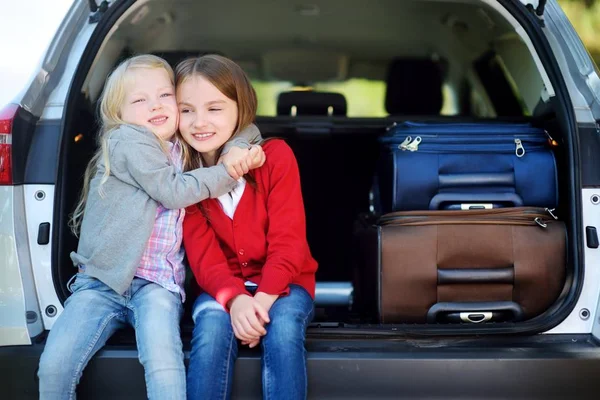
(111, 102)
(231, 80)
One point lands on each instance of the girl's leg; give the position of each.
(91, 315)
(214, 351)
(284, 355)
(155, 315)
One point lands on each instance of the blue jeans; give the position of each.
(215, 349)
(92, 314)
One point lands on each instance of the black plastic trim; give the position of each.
(485, 306)
(589, 137)
(538, 367)
(43, 233)
(42, 158)
(591, 236)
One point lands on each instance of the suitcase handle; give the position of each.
(478, 179)
(511, 199)
(475, 312)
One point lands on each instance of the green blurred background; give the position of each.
(585, 17)
(366, 98)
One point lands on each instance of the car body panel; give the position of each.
(39, 203)
(19, 311)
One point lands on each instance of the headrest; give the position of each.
(414, 86)
(311, 103)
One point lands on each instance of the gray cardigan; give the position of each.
(117, 225)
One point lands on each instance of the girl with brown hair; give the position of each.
(248, 248)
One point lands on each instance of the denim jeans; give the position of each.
(215, 349)
(92, 314)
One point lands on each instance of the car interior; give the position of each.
(331, 78)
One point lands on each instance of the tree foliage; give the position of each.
(585, 17)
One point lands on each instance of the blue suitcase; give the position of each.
(431, 166)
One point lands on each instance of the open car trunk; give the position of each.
(483, 72)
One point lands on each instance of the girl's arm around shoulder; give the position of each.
(242, 153)
(245, 139)
(139, 160)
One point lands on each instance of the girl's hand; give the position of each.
(248, 318)
(256, 157)
(256, 341)
(236, 162)
(265, 300)
(252, 344)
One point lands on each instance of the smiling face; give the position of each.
(150, 101)
(207, 118)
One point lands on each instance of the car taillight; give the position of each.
(7, 115)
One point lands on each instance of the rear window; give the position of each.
(365, 98)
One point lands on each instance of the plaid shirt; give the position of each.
(162, 261)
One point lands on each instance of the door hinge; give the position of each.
(97, 10)
(537, 9)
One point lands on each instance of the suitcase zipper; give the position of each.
(413, 145)
(468, 128)
(402, 146)
(501, 216)
(520, 150)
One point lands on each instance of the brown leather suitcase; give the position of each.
(505, 264)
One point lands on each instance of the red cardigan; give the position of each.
(266, 240)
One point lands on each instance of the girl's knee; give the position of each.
(215, 325)
(58, 355)
(286, 330)
(298, 306)
(50, 364)
(208, 309)
(211, 321)
(56, 367)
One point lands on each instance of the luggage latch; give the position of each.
(475, 317)
(540, 222)
(551, 212)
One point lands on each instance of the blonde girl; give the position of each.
(129, 219)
